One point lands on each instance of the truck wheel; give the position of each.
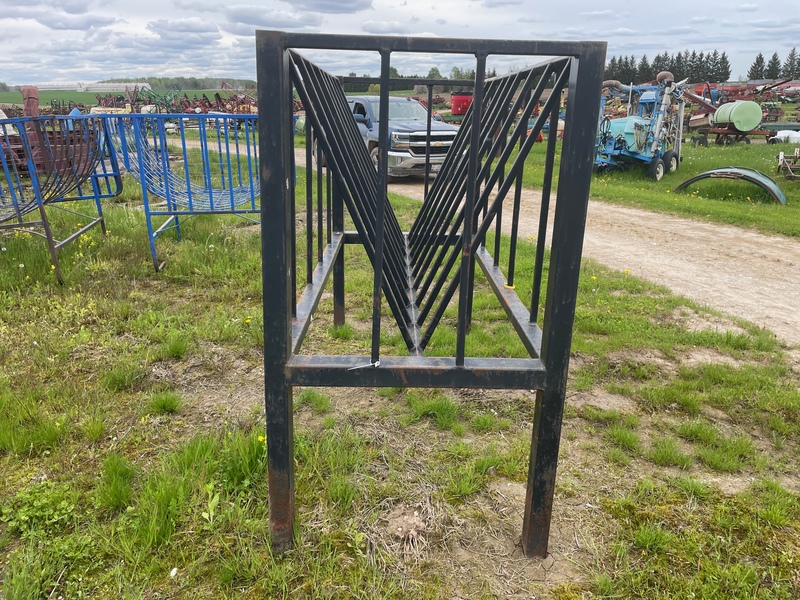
(656, 169)
(323, 162)
(671, 162)
(374, 156)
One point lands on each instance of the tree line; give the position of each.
(694, 66)
(699, 66)
(775, 69)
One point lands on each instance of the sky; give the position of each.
(45, 41)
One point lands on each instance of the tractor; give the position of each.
(650, 133)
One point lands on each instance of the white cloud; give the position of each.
(384, 27)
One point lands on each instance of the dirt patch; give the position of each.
(691, 320)
(601, 399)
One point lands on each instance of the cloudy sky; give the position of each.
(90, 40)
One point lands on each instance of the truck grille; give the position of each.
(440, 142)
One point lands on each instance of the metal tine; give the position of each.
(512, 253)
(309, 201)
(395, 233)
(356, 197)
(451, 260)
(366, 166)
(355, 211)
(543, 213)
(320, 228)
(518, 162)
(442, 216)
(449, 176)
(396, 245)
(459, 219)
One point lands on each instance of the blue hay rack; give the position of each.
(48, 161)
(189, 165)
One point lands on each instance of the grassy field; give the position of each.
(132, 459)
(717, 200)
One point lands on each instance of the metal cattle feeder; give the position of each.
(419, 273)
(49, 163)
(189, 165)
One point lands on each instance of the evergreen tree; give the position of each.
(712, 66)
(773, 70)
(612, 69)
(757, 68)
(693, 67)
(434, 73)
(723, 71)
(661, 62)
(791, 66)
(644, 72)
(678, 67)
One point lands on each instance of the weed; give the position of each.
(243, 459)
(164, 403)
(124, 376)
(115, 489)
(176, 346)
(320, 403)
(443, 410)
(652, 538)
(665, 452)
(623, 437)
(45, 507)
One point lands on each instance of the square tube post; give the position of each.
(562, 289)
(277, 231)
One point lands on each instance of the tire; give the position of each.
(671, 161)
(726, 140)
(656, 169)
(324, 163)
(373, 154)
(700, 140)
(746, 140)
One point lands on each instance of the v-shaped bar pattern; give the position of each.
(419, 275)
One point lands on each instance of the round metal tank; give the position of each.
(743, 115)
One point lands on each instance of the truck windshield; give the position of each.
(404, 111)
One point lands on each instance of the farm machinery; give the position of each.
(650, 132)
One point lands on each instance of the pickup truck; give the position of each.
(408, 121)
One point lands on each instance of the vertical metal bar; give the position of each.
(380, 200)
(467, 258)
(277, 228)
(562, 287)
(328, 209)
(338, 265)
(547, 184)
(512, 255)
(428, 143)
(320, 235)
(309, 212)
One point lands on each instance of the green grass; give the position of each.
(718, 200)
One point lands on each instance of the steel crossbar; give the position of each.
(417, 273)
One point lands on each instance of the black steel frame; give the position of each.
(418, 272)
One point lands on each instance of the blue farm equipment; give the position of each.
(650, 133)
